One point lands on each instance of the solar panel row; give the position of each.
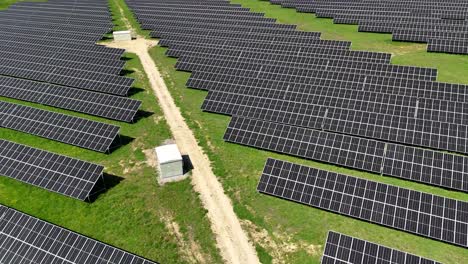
(67, 129)
(441, 24)
(349, 115)
(56, 173)
(29, 240)
(410, 88)
(89, 80)
(293, 43)
(53, 43)
(308, 50)
(272, 76)
(86, 64)
(206, 64)
(98, 104)
(416, 164)
(50, 57)
(63, 47)
(408, 210)
(340, 249)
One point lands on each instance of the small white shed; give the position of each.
(122, 35)
(170, 162)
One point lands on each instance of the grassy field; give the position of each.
(293, 233)
(167, 224)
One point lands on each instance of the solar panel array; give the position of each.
(90, 66)
(287, 90)
(57, 173)
(291, 92)
(67, 129)
(26, 239)
(420, 165)
(98, 104)
(412, 211)
(341, 248)
(50, 57)
(441, 24)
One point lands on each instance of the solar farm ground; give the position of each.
(288, 232)
(138, 215)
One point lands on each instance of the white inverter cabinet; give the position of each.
(170, 162)
(122, 35)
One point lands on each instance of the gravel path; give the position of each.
(232, 241)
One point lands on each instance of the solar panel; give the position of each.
(36, 45)
(416, 18)
(426, 166)
(281, 95)
(53, 172)
(341, 248)
(50, 35)
(64, 128)
(421, 165)
(63, 15)
(178, 29)
(72, 62)
(165, 33)
(266, 43)
(325, 79)
(101, 12)
(92, 25)
(285, 87)
(95, 81)
(284, 49)
(238, 21)
(313, 144)
(26, 239)
(448, 45)
(98, 104)
(347, 115)
(272, 30)
(31, 25)
(416, 212)
(49, 45)
(242, 14)
(204, 64)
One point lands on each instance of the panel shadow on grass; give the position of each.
(141, 114)
(125, 58)
(107, 182)
(120, 141)
(124, 72)
(134, 90)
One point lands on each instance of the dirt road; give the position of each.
(232, 241)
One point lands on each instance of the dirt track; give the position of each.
(232, 241)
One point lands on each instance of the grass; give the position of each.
(124, 19)
(136, 214)
(286, 231)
